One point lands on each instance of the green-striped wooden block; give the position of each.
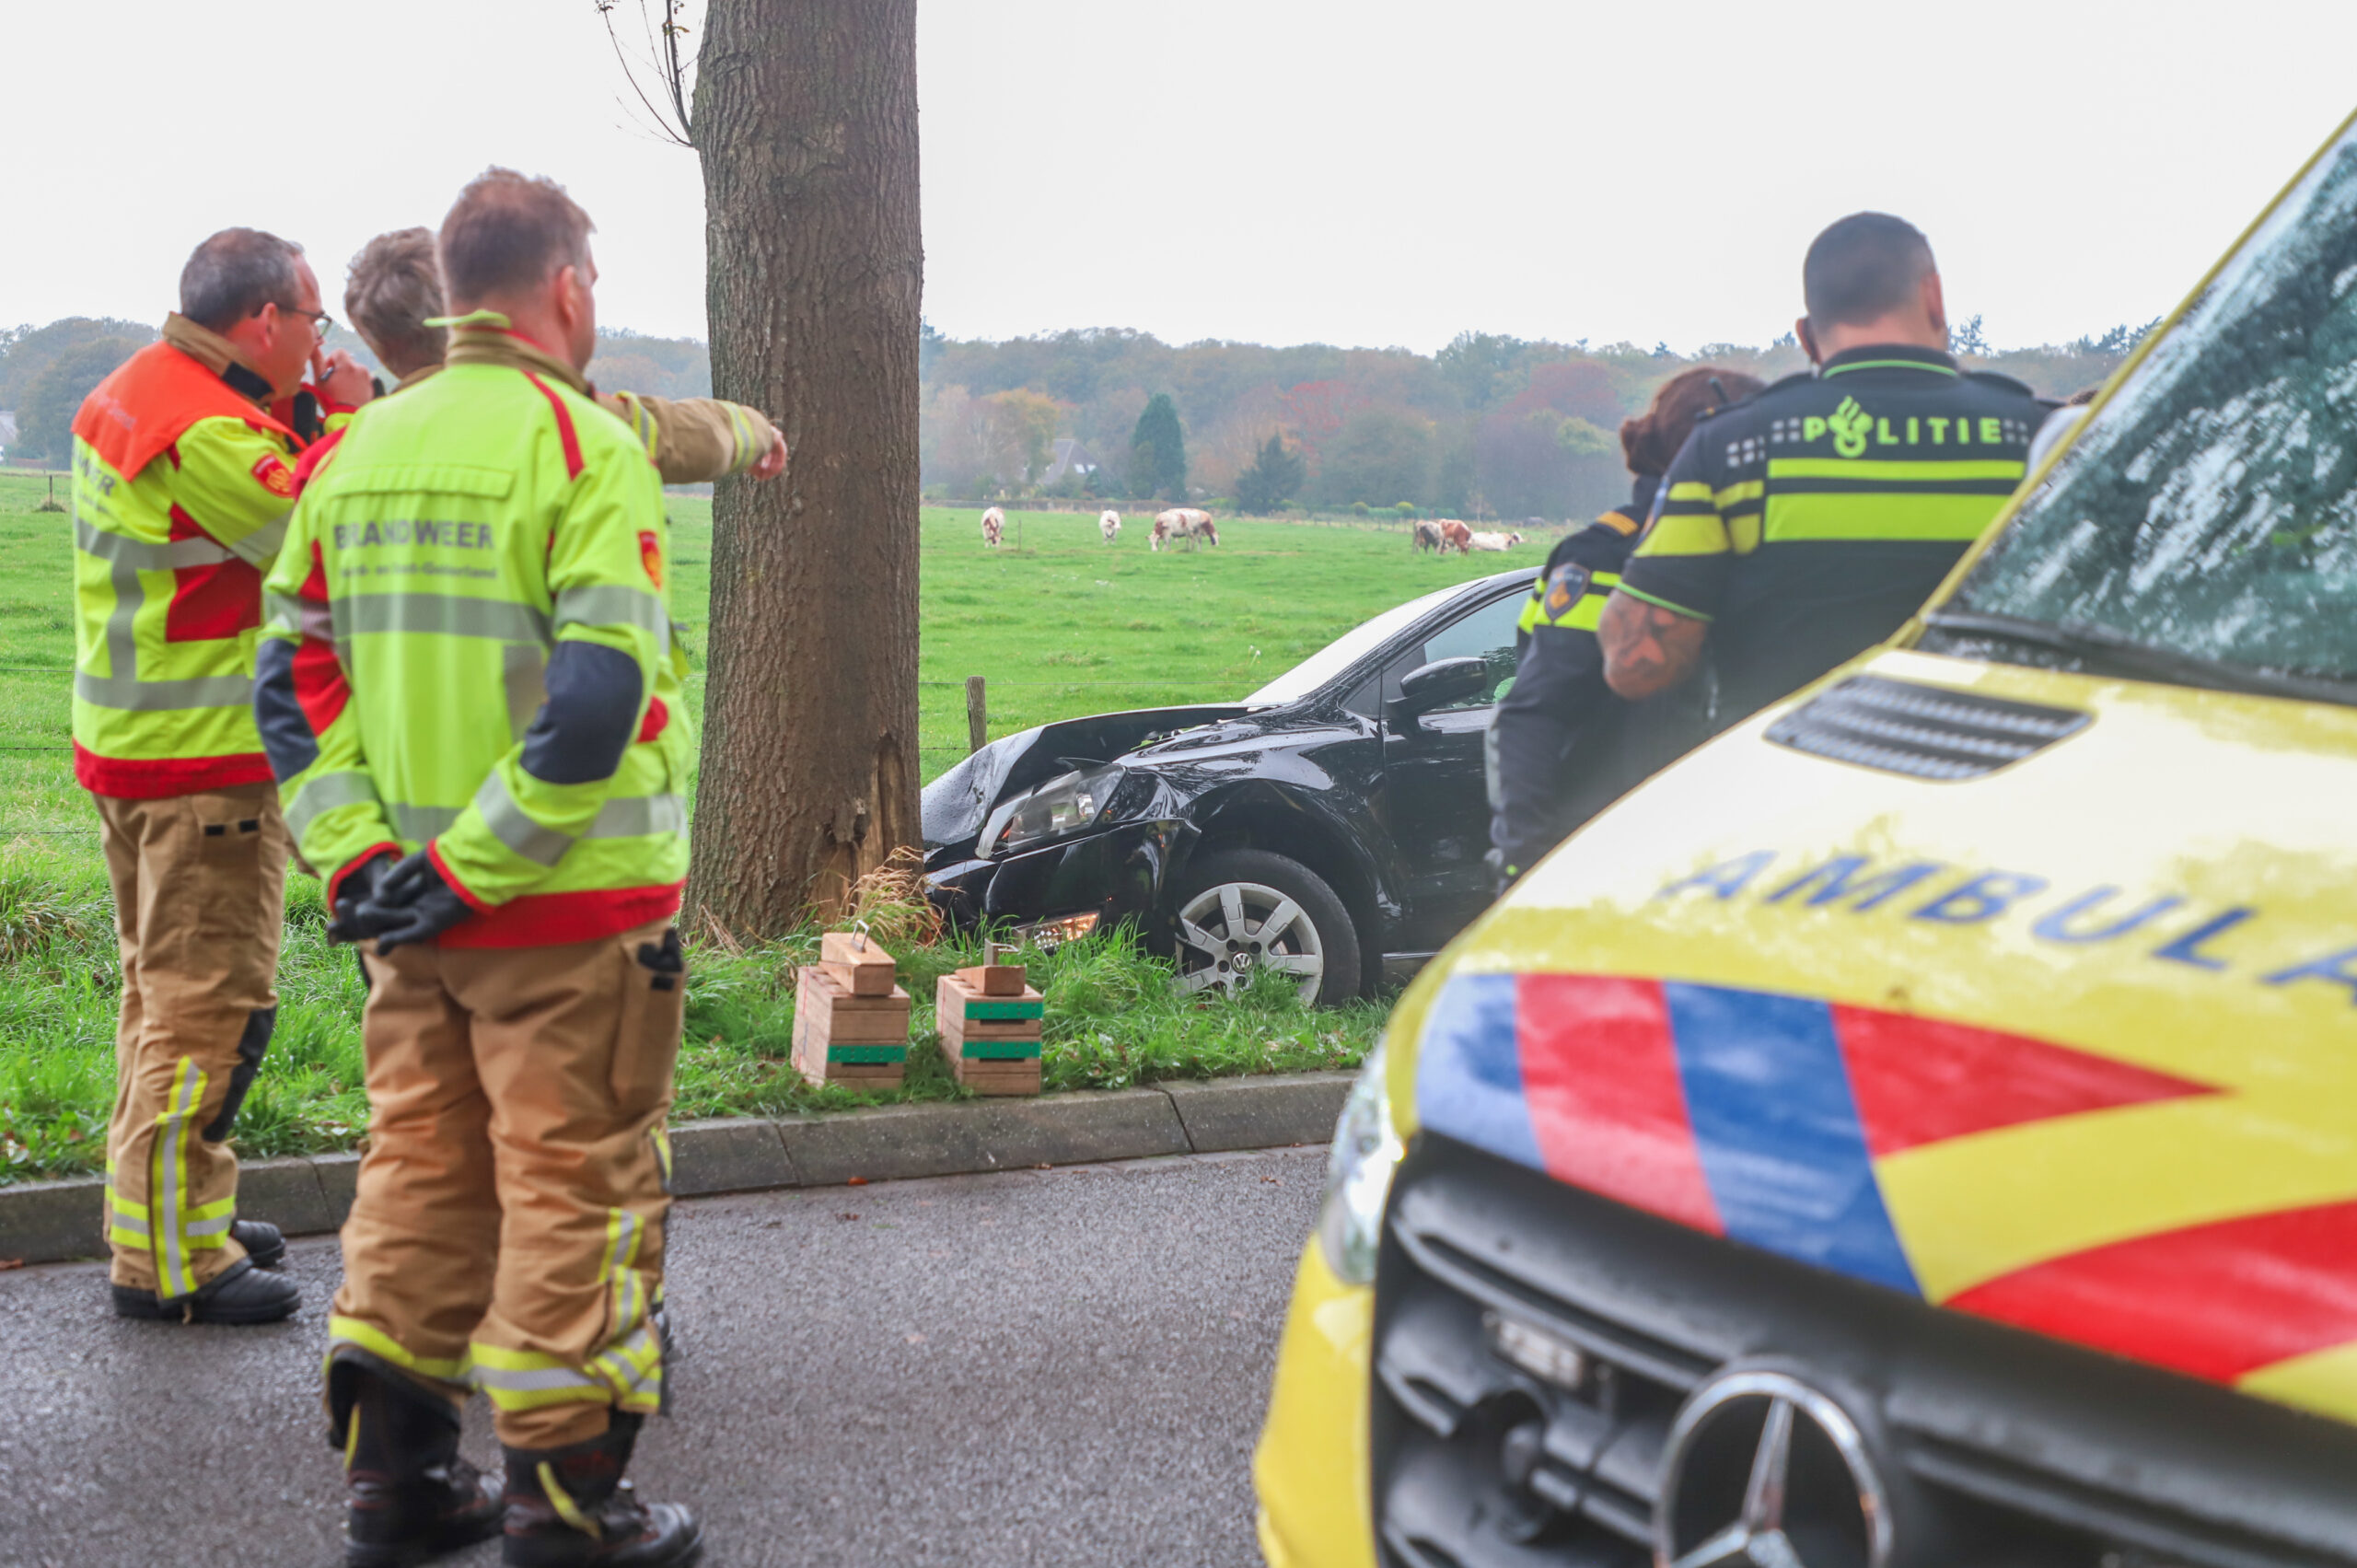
(995, 1010)
(997, 1050)
(882, 1055)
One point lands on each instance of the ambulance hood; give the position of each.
(2031, 993)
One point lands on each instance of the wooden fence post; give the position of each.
(978, 726)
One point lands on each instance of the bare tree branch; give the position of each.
(664, 64)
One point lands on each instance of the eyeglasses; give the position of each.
(321, 322)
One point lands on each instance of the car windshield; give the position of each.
(2205, 520)
(1346, 650)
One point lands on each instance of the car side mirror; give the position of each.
(1434, 685)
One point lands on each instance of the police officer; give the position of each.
(468, 693)
(1804, 526)
(1554, 741)
(182, 482)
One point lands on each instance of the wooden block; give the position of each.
(994, 979)
(842, 1019)
(823, 1015)
(954, 998)
(863, 968)
(1021, 1083)
(997, 1078)
(989, 1050)
(1019, 1029)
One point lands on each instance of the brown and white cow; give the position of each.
(1493, 540)
(1455, 535)
(993, 528)
(1109, 523)
(1189, 523)
(1426, 537)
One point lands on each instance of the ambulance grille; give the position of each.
(2027, 1451)
(1924, 732)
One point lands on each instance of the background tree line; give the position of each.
(1491, 425)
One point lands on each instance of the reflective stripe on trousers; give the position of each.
(176, 1229)
(377, 1342)
(627, 1374)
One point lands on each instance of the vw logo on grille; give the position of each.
(1764, 1472)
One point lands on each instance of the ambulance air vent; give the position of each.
(1925, 732)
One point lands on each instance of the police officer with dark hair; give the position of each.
(1804, 526)
(1553, 743)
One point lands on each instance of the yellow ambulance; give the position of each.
(1921, 1127)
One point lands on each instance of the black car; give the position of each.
(1331, 825)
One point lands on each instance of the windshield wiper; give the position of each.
(2126, 656)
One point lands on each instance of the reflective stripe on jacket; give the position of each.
(466, 649)
(181, 489)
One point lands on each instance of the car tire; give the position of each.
(1257, 891)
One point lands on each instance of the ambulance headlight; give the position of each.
(1358, 1176)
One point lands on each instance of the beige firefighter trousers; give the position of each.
(200, 892)
(509, 1230)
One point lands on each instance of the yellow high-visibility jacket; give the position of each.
(182, 485)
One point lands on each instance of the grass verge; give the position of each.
(1113, 1022)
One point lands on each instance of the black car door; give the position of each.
(1435, 804)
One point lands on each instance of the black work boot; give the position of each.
(412, 1497)
(570, 1507)
(261, 1241)
(239, 1294)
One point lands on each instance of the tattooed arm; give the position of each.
(1647, 649)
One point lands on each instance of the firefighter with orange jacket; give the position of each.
(182, 484)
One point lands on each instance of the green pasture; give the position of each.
(1058, 622)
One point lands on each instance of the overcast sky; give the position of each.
(1351, 172)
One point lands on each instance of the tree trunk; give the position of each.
(806, 120)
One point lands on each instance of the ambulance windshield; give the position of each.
(2203, 527)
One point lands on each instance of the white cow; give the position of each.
(1189, 523)
(993, 528)
(1494, 541)
(1109, 523)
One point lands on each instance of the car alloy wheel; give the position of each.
(1231, 931)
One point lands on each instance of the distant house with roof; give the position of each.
(1072, 460)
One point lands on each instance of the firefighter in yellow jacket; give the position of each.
(182, 484)
(467, 691)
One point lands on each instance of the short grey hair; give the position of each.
(235, 273)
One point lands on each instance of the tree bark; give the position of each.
(806, 120)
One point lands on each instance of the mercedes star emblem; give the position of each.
(1764, 1472)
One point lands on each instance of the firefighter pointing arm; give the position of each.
(395, 300)
(467, 693)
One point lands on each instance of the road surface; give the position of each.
(1031, 1369)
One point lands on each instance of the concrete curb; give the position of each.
(46, 1222)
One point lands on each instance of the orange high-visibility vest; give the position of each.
(182, 491)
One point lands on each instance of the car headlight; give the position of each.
(1358, 1176)
(1070, 803)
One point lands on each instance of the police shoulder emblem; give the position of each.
(650, 555)
(1565, 587)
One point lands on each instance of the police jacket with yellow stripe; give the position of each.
(182, 487)
(1808, 523)
(466, 649)
(1556, 723)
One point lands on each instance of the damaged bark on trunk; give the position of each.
(806, 122)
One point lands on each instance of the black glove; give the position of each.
(359, 885)
(411, 903)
